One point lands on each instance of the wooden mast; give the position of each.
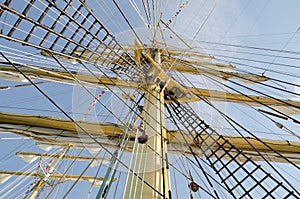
(152, 181)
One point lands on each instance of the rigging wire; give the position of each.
(274, 71)
(204, 21)
(250, 47)
(65, 172)
(135, 6)
(236, 19)
(127, 21)
(257, 61)
(205, 164)
(76, 123)
(146, 9)
(281, 126)
(263, 54)
(11, 153)
(122, 146)
(181, 7)
(82, 173)
(263, 94)
(115, 192)
(175, 183)
(18, 179)
(250, 80)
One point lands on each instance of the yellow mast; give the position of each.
(152, 180)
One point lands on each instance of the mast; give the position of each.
(43, 181)
(154, 181)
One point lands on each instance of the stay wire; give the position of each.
(256, 67)
(258, 61)
(127, 21)
(250, 47)
(146, 12)
(65, 172)
(81, 174)
(204, 22)
(263, 54)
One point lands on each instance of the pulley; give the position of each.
(143, 139)
(194, 186)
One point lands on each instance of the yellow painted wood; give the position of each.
(154, 169)
(115, 131)
(65, 157)
(54, 176)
